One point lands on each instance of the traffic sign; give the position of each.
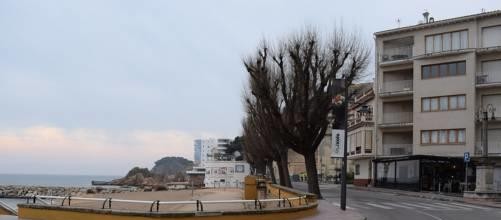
(466, 157)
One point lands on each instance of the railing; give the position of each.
(397, 117)
(360, 119)
(154, 206)
(397, 86)
(493, 148)
(397, 149)
(486, 78)
(397, 53)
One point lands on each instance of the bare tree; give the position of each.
(296, 82)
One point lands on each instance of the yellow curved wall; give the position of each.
(44, 214)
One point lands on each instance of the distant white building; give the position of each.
(221, 170)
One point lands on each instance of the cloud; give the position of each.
(46, 149)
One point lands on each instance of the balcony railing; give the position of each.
(397, 117)
(397, 86)
(397, 53)
(487, 78)
(494, 147)
(397, 149)
(360, 119)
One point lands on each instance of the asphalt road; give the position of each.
(387, 206)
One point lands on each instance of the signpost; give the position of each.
(337, 143)
(466, 161)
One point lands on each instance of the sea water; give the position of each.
(52, 180)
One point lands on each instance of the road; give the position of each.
(388, 206)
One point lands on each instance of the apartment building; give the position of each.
(432, 79)
(361, 133)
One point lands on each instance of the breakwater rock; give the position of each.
(12, 191)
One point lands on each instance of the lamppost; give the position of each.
(345, 147)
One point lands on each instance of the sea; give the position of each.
(52, 180)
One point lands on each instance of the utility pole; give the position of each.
(345, 154)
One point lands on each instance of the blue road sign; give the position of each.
(466, 157)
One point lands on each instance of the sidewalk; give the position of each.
(428, 195)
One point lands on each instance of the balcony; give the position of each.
(397, 119)
(397, 50)
(360, 120)
(397, 149)
(488, 79)
(396, 88)
(397, 53)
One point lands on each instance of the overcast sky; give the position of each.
(96, 87)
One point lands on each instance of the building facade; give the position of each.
(361, 136)
(197, 149)
(431, 81)
(219, 168)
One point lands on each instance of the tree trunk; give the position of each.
(311, 171)
(269, 164)
(280, 173)
(285, 168)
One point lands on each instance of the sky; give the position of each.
(96, 87)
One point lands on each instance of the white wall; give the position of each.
(224, 173)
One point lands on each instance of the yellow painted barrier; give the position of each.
(39, 212)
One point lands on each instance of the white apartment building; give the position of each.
(221, 170)
(431, 81)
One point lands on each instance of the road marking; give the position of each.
(378, 206)
(470, 206)
(397, 205)
(360, 206)
(339, 205)
(424, 213)
(419, 206)
(453, 206)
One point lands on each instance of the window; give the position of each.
(443, 137)
(434, 71)
(453, 102)
(490, 36)
(437, 43)
(425, 105)
(455, 41)
(434, 137)
(464, 39)
(443, 103)
(434, 104)
(447, 41)
(461, 102)
(429, 44)
(426, 72)
(461, 138)
(357, 169)
(443, 70)
(425, 137)
(452, 136)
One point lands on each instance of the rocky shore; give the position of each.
(11, 191)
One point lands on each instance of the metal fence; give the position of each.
(397, 117)
(154, 206)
